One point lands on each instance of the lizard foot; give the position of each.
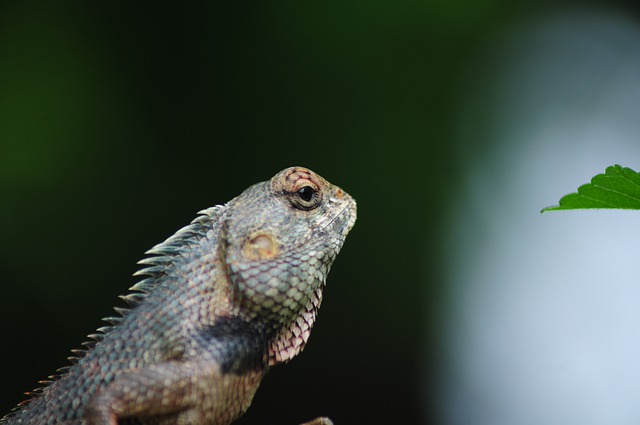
(319, 421)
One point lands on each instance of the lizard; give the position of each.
(220, 302)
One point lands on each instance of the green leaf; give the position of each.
(617, 188)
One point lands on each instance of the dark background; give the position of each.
(118, 122)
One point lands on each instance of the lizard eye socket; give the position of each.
(306, 198)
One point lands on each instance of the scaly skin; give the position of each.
(225, 298)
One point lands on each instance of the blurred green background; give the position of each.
(119, 121)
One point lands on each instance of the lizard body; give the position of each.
(224, 299)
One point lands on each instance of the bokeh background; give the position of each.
(452, 123)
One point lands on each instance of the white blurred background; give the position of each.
(544, 312)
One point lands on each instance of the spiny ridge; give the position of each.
(161, 259)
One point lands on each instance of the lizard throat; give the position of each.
(290, 340)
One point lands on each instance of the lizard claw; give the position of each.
(319, 421)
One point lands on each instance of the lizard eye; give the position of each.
(306, 193)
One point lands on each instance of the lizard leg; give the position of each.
(163, 389)
(175, 392)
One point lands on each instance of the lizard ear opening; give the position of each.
(262, 246)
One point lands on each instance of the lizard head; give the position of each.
(281, 237)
